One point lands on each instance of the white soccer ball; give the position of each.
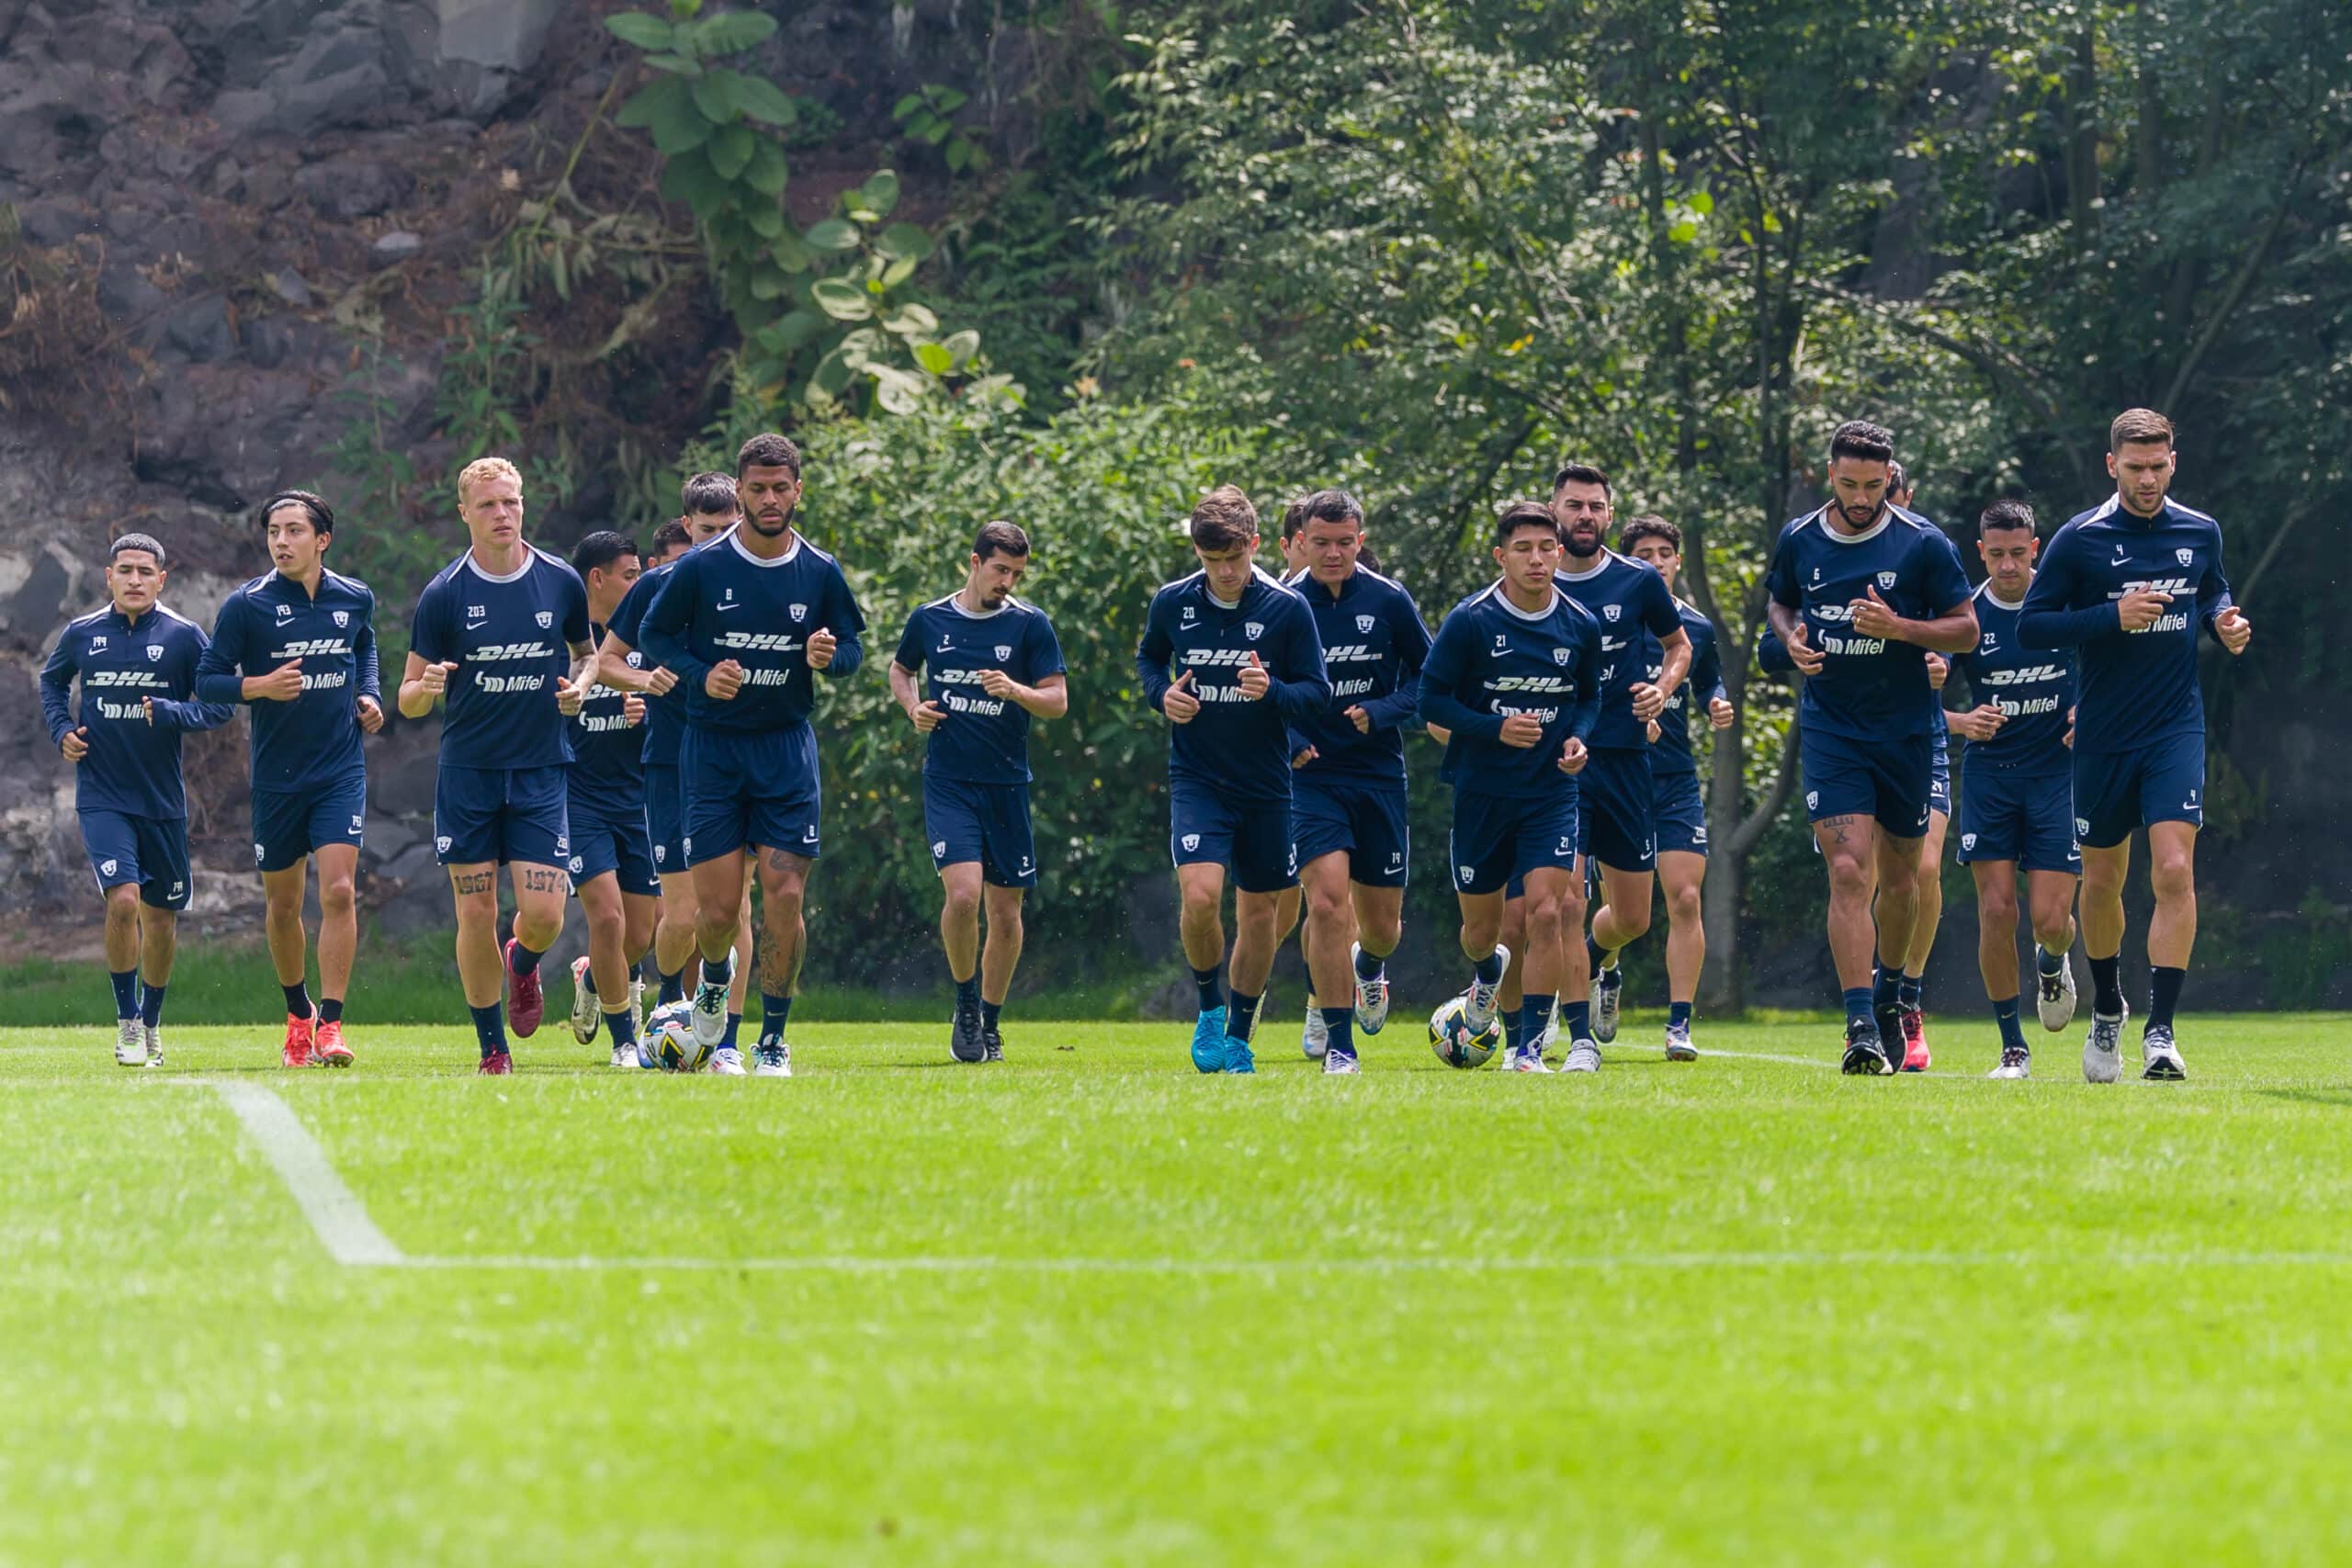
(1455, 1042)
(669, 1041)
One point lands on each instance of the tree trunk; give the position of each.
(2082, 134)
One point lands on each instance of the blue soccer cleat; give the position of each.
(1208, 1041)
(1238, 1057)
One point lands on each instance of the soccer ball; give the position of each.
(670, 1043)
(1455, 1042)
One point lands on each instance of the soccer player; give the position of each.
(1514, 676)
(502, 632)
(612, 855)
(746, 622)
(1677, 806)
(711, 509)
(137, 662)
(1616, 790)
(1348, 807)
(994, 662)
(1858, 589)
(299, 644)
(2130, 582)
(2017, 805)
(1248, 666)
(1910, 989)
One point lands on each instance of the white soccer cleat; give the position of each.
(2159, 1057)
(625, 1055)
(1315, 1036)
(2053, 994)
(1678, 1044)
(1372, 996)
(2015, 1064)
(1607, 991)
(154, 1035)
(710, 1012)
(131, 1044)
(1340, 1062)
(726, 1061)
(1478, 1009)
(2103, 1047)
(586, 1016)
(1584, 1057)
(771, 1059)
(1524, 1059)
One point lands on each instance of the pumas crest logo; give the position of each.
(2082, 827)
(1562, 655)
(1886, 580)
(259, 855)
(2184, 557)
(1812, 800)
(1968, 841)
(939, 849)
(1612, 611)
(1468, 874)
(1003, 651)
(660, 853)
(1254, 630)
(576, 865)
(343, 618)
(800, 612)
(545, 619)
(1363, 623)
(1191, 841)
(106, 868)
(441, 844)
(154, 652)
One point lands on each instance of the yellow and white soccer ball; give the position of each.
(1455, 1042)
(670, 1043)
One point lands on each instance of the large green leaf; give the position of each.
(791, 332)
(913, 321)
(879, 193)
(761, 99)
(635, 26)
(664, 97)
(833, 374)
(791, 255)
(711, 96)
(731, 150)
(766, 222)
(677, 125)
(903, 240)
(842, 302)
(832, 235)
(769, 284)
(690, 178)
(935, 358)
(767, 173)
(961, 346)
(732, 31)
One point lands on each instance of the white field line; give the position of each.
(343, 1228)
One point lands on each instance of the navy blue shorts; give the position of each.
(2029, 818)
(1249, 837)
(2118, 791)
(1363, 820)
(601, 842)
(1497, 840)
(756, 790)
(983, 822)
(1680, 813)
(1939, 774)
(1887, 777)
(506, 816)
(288, 825)
(665, 817)
(1616, 796)
(126, 850)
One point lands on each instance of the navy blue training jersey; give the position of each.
(1233, 745)
(665, 713)
(2035, 686)
(133, 763)
(512, 637)
(721, 601)
(1633, 607)
(608, 754)
(1870, 686)
(1373, 644)
(314, 740)
(2137, 687)
(1491, 660)
(984, 740)
(1671, 754)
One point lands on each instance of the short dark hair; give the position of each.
(147, 542)
(1898, 478)
(1329, 506)
(2005, 514)
(2138, 424)
(1000, 538)
(1860, 438)
(1521, 515)
(707, 492)
(1367, 557)
(1223, 520)
(1583, 474)
(672, 533)
(767, 450)
(1649, 527)
(600, 549)
(321, 514)
(1294, 516)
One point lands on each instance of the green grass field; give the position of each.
(1091, 1308)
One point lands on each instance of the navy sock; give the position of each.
(2049, 963)
(2107, 986)
(298, 999)
(1678, 1015)
(126, 992)
(2164, 994)
(489, 1028)
(1489, 969)
(1534, 1016)
(1211, 987)
(330, 1010)
(2005, 1014)
(1858, 1005)
(1513, 1031)
(727, 1041)
(1242, 1017)
(150, 1005)
(1368, 963)
(989, 1013)
(1576, 1021)
(1884, 984)
(1910, 990)
(967, 996)
(1597, 955)
(673, 986)
(588, 978)
(1340, 1029)
(774, 1013)
(524, 960)
(719, 974)
(624, 1026)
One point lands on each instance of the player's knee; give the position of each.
(338, 897)
(961, 901)
(1683, 907)
(1997, 908)
(122, 902)
(476, 911)
(2173, 877)
(1326, 903)
(1383, 932)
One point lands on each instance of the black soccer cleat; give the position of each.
(965, 1043)
(1865, 1053)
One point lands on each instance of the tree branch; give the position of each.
(1751, 827)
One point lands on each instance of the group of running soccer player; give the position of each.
(635, 729)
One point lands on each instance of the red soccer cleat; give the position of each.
(331, 1051)
(497, 1065)
(299, 1039)
(1915, 1041)
(524, 1003)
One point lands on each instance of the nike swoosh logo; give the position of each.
(724, 608)
(476, 625)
